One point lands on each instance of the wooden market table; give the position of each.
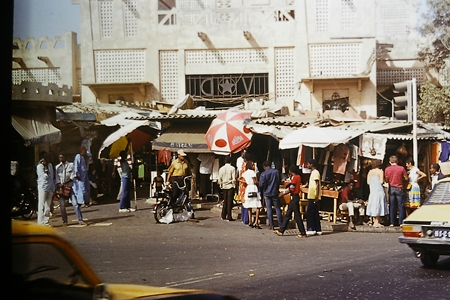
(284, 201)
(325, 206)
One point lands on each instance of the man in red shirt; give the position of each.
(293, 187)
(349, 202)
(395, 176)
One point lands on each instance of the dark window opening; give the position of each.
(227, 86)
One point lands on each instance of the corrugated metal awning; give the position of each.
(97, 112)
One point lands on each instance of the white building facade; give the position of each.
(309, 54)
(45, 60)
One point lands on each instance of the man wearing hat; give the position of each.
(179, 168)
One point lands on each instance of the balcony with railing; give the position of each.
(36, 94)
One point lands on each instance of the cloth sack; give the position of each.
(65, 191)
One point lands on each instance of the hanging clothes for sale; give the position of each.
(325, 161)
(300, 156)
(164, 157)
(373, 145)
(141, 171)
(341, 157)
(445, 151)
(215, 170)
(353, 163)
(206, 163)
(308, 154)
(435, 151)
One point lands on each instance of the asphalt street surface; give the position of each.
(232, 258)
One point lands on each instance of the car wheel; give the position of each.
(429, 259)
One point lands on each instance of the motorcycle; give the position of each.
(167, 212)
(24, 204)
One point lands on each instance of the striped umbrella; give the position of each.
(228, 133)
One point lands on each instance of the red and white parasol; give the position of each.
(228, 133)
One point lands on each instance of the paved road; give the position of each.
(250, 263)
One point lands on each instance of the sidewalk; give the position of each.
(106, 211)
(326, 226)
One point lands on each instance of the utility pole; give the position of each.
(414, 119)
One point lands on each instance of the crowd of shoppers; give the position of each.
(389, 195)
(68, 182)
(392, 191)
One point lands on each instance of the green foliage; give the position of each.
(436, 30)
(434, 104)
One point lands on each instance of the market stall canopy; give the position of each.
(35, 127)
(277, 132)
(97, 112)
(189, 138)
(138, 133)
(317, 137)
(126, 118)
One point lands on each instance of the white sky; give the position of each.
(50, 18)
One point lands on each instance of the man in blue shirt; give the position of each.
(269, 184)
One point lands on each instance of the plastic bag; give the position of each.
(182, 216)
(168, 218)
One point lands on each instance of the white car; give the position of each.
(427, 229)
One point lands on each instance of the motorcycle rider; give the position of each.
(179, 168)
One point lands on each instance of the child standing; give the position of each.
(158, 184)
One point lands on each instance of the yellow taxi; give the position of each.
(46, 266)
(427, 229)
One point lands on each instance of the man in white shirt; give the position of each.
(46, 188)
(64, 172)
(227, 182)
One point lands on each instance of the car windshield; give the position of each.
(440, 194)
(40, 260)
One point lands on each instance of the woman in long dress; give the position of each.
(252, 199)
(377, 206)
(241, 191)
(414, 175)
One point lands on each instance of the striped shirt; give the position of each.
(119, 167)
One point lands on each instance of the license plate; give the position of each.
(441, 233)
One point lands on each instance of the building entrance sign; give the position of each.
(227, 85)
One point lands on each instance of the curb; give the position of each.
(326, 226)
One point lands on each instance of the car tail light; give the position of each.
(412, 234)
(412, 231)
